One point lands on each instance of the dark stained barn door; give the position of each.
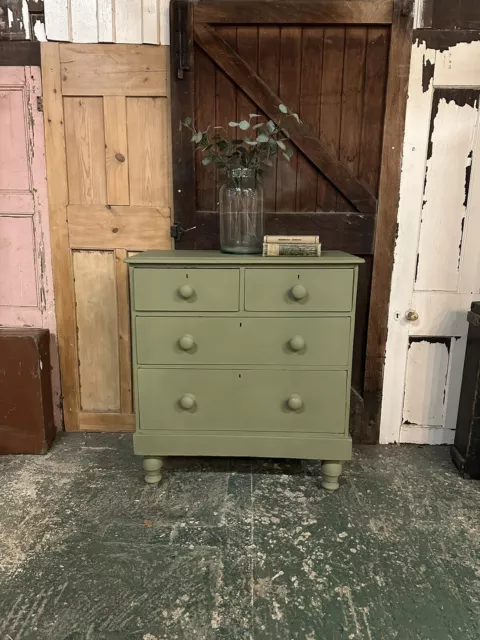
(328, 60)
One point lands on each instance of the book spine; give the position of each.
(292, 239)
(291, 249)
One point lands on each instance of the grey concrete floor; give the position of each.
(236, 549)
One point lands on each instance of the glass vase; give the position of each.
(241, 212)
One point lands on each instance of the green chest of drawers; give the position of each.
(242, 356)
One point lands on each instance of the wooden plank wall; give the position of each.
(123, 21)
(339, 93)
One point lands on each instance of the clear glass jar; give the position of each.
(241, 212)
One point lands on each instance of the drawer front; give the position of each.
(186, 289)
(299, 289)
(233, 341)
(226, 400)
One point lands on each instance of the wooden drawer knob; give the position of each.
(297, 343)
(186, 291)
(186, 342)
(299, 292)
(295, 402)
(187, 401)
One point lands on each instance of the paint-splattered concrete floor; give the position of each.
(236, 549)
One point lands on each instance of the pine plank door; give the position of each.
(109, 186)
(26, 282)
(436, 274)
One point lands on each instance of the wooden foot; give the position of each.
(331, 471)
(152, 466)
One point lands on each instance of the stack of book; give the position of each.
(291, 246)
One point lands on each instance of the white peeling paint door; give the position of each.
(436, 271)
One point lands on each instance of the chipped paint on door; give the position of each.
(26, 291)
(437, 262)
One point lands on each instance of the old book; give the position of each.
(292, 239)
(291, 249)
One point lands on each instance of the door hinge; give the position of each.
(177, 231)
(39, 103)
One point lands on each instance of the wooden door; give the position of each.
(437, 266)
(108, 167)
(26, 284)
(341, 65)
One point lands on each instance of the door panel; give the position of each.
(341, 66)
(108, 151)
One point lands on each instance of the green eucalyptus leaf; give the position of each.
(198, 137)
(297, 118)
(282, 108)
(244, 125)
(289, 153)
(257, 126)
(285, 133)
(207, 160)
(233, 124)
(281, 145)
(286, 156)
(262, 138)
(255, 115)
(267, 162)
(271, 125)
(222, 145)
(188, 122)
(252, 143)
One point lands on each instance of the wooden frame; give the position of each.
(400, 52)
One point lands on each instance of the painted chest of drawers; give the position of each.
(242, 356)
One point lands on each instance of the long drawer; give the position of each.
(265, 341)
(296, 290)
(186, 290)
(242, 400)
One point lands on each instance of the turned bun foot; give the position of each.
(331, 471)
(152, 466)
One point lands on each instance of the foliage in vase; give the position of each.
(255, 143)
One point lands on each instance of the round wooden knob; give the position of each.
(295, 402)
(299, 292)
(297, 343)
(186, 342)
(187, 401)
(186, 291)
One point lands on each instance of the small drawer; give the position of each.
(299, 289)
(186, 289)
(242, 400)
(190, 340)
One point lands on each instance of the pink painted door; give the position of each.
(26, 289)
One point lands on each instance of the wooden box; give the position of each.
(26, 407)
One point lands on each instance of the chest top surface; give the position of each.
(199, 258)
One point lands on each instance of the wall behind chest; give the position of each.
(122, 21)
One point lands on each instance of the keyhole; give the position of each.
(239, 375)
(186, 276)
(240, 324)
(298, 276)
